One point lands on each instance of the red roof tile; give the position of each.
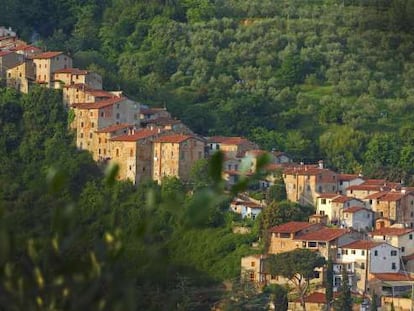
(392, 277)
(47, 55)
(175, 138)
(6, 52)
(26, 48)
(99, 104)
(391, 231)
(376, 195)
(362, 244)
(343, 199)
(140, 134)
(115, 127)
(228, 140)
(99, 93)
(163, 121)
(324, 234)
(291, 227)
(256, 152)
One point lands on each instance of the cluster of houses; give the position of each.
(365, 226)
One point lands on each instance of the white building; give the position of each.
(358, 218)
(332, 205)
(364, 257)
(247, 209)
(347, 180)
(397, 236)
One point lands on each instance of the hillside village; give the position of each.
(364, 225)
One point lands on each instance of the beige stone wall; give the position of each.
(46, 66)
(19, 76)
(388, 209)
(191, 151)
(73, 95)
(91, 79)
(133, 158)
(176, 159)
(279, 244)
(9, 61)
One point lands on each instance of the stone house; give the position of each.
(47, 63)
(100, 140)
(253, 269)
(69, 76)
(175, 154)
(348, 180)
(133, 153)
(8, 60)
(27, 50)
(231, 146)
(247, 209)
(90, 117)
(397, 205)
(283, 238)
(304, 183)
(357, 218)
(21, 76)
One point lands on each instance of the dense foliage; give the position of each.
(319, 79)
(72, 238)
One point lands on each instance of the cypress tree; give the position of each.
(329, 282)
(344, 301)
(374, 306)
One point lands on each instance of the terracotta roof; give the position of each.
(392, 231)
(26, 47)
(99, 104)
(6, 52)
(365, 187)
(393, 196)
(311, 170)
(376, 195)
(291, 227)
(343, 199)
(114, 128)
(392, 277)
(327, 195)
(324, 234)
(362, 244)
(140, 134)
(348, 177)
(75, 71)
(174, 138)
(354, 209)
(47, 55)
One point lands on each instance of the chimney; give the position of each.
(320, 163)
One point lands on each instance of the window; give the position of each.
(130, 168)
(402, 249)
(81, 124)
(363, 253)
(312, 244)
(252, 264)
(90, 135)
(410, 236)
(353, 252)
(393, 266)
(117, 106)
(370, 202)
(99, 140)
(308, 188)
(251, 276)
(333, 188)
(117, 115)
(99, 151)
(362, 266)
(81, 135)
(102, 114)
(375, 253)
(321, 213)
(117, 152)
(393, 253)
(91, 114)
(131, 152)
(323, 201)
(93, 124)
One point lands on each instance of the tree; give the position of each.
(278, 296)
(374, 303)
(329, 282)
(298, 266)
(276, 192)
(344, 300)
